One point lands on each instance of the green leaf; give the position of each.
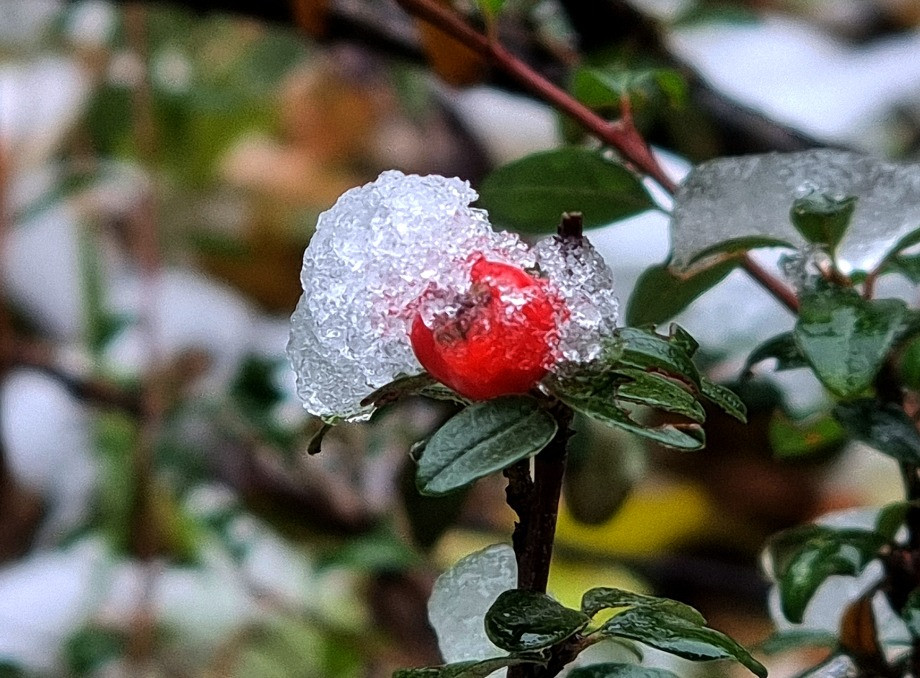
(653, 390)
(732, 248)
(793, 439)
(651, 352)
(491, 8)
(846, 338)
(725, 398)
(784, 641)
(604, 409)
(890, 519)
(907, 265)
(909, 364)
(884, 426)
(415, 385)
(521, 621)
(619, 671)
(531, 194)
(662, 629)
(605, 88)
(803, 557)
(823, 219)
(471, 669)
(604, 598)
(483, 438)
(911, 613)
(783, 349)
(659, 295)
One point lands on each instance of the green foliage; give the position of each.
(654, 390)
(823, 219)
(659, 294)
(846, 338)
(607, 87)
(733, 247)
(797, 639)
(725, 398)
(483, 438)
(604, 598)
(611, 670)
(522, 621)
(783, 348)
(471, 669)
(491, 9)
(90, 648)
(803, 557)
(884, 426)
(792, 439)
(531, 194)
(666, 625)
(911, 613)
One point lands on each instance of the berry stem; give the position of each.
(536, 502)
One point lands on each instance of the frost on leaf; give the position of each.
(751, 197)
(462, 596)
(403, 246)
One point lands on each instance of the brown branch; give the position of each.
(771, 283)
(623, 137)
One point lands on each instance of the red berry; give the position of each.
(501, 340)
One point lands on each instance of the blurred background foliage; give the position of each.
(161, 169)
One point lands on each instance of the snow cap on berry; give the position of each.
(388, 246)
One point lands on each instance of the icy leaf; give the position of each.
(751, 196)
(462, 596)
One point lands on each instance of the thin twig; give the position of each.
(622, 135)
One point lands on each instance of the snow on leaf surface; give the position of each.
(751, 196)
(462, 596)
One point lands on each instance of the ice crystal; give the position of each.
(732, 198)
(462, 596)
(404, 245)
(583, 279)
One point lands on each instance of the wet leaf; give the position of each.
(653, 390)
(846, 338)
(884, 426)
(471, 669)
(483, 438)
(651, 352)
(603, 598)
(606, 87)
(604, 409)
(803, 557)
(660, 628)
(822, 218)
(783, 349)
(521, 621)
(725, 398)
(619, 671)
(531, 194)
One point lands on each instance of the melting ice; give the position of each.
(731, 198)
(385, 245)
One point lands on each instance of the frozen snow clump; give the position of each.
(751, 196)
(385, 246)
